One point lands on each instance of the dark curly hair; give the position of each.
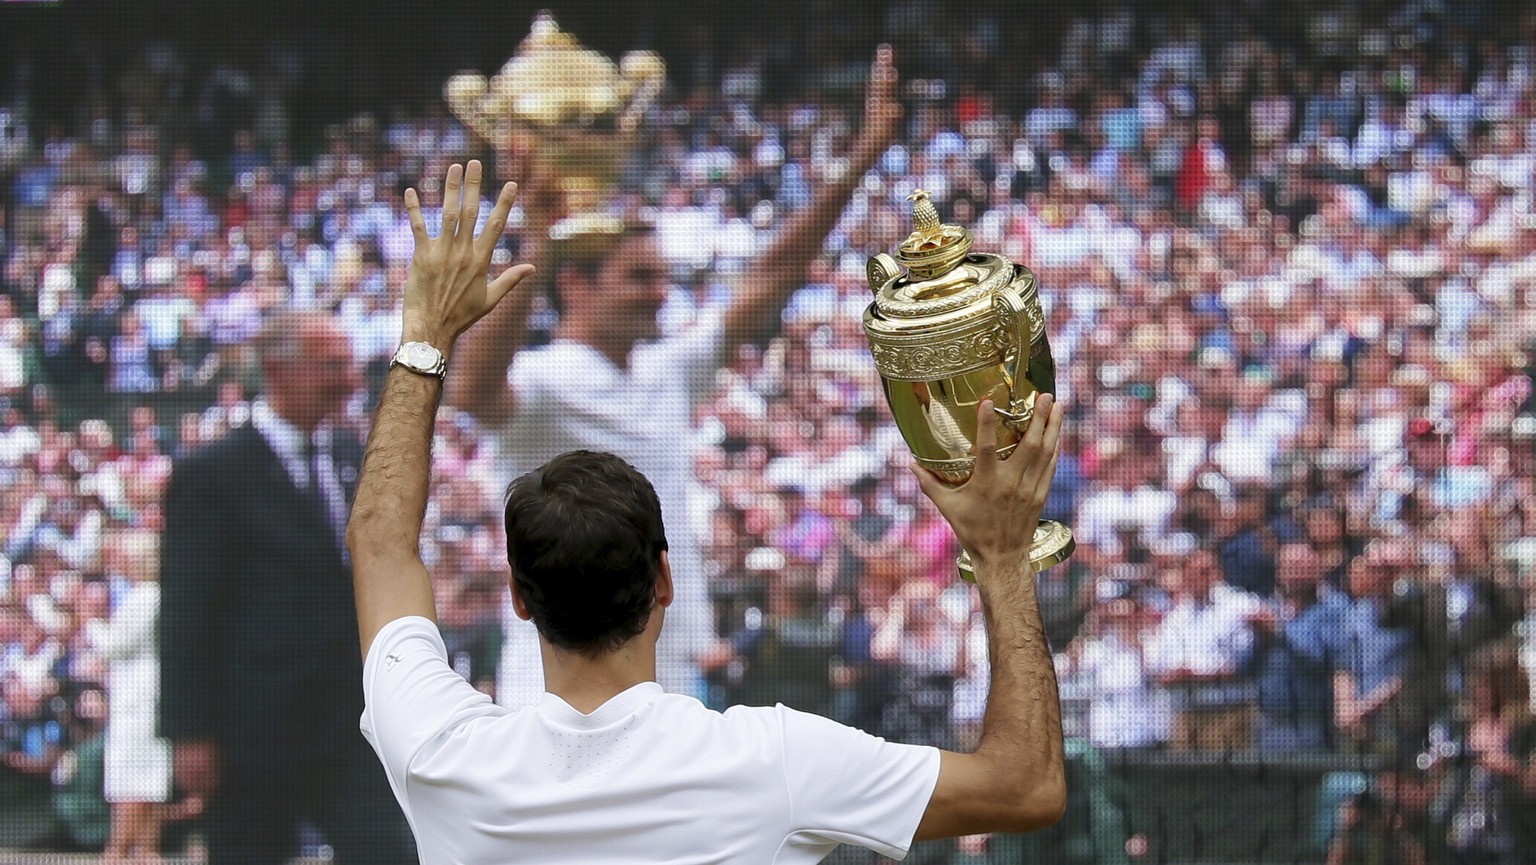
(584, 539)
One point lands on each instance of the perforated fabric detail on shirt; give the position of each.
(586, 755)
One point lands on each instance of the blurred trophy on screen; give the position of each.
(948, 328)
(574, 107)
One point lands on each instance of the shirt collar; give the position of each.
(287, 440)
(619, 706)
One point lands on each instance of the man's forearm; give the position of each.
(383, 534)
(1022, 723)
(806, 231)
(781, 268)
(1015, 781)
(447, 290)
(397, 465)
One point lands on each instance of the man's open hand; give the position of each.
(448, 286)
(996, 510)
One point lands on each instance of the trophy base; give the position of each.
(1053, 544)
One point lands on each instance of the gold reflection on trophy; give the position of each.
(948, 328)
(576, 109)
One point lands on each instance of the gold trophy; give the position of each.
(577, 109)
(949, 327)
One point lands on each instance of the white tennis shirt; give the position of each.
(649, 777)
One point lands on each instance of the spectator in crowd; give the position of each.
(137, 763)
(1461, 574)
(1199, 651)
(1127, 708)
(1493, 789)
(1247, 542)
(83, 815)
(969, 697)
(1128, 509)
(471, 613)
(1375, 705)
(1326, 531)
(864, 537)
(1298, 653)
(1390, 817)
(32, 741)
(788, 650)
(257, 626)
(805, 535)
(926, 644)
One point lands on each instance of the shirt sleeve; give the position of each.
(411, 695)
(846, 786)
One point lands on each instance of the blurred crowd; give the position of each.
(1289, 267)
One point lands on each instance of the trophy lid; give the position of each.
(933, 248)
(942, 277)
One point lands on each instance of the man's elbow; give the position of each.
(356, 535)
(1042, 805)
(354, 545)
(374, 544)
(364, 549)
(365, 539)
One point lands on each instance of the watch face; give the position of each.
(421, 355)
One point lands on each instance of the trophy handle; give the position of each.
(1014, 318)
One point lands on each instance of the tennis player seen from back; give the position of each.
(608, 768)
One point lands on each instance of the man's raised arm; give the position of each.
(1015, 780)
(780, 269)
(446, 291)
(479, 383)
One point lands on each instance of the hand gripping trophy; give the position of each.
(948, 328)
(578, 110)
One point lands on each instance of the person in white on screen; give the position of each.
(610, 382)
(607, 767)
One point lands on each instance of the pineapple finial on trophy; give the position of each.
(925, 217)
(933, 248)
